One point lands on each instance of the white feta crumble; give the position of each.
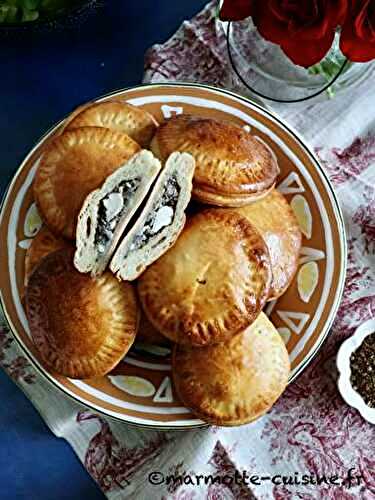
(163, 217)
(113, 205)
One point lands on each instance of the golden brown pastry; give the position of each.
(120, 116)
(211, 284)
(72, 115)
(43, 244)
(230, 162)
(227, 201)
(148, 334)
(74, 164)
(233, 383)
(82, 327)
(277, 224)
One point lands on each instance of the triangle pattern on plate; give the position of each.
(169, 111)
(295, 320)
(164, 393)
(291, 184)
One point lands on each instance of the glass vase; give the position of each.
(265, 68)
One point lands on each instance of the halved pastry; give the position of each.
(211, 284)
(82, 327)
(233, 383)
(107, 211)
(160, 222)
(116, 115)
(231, 163)
(43, 244)
(276, 222)
(74, 164)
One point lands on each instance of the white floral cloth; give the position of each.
(311, 430)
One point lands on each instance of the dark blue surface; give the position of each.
(34, 464)
(41, 80)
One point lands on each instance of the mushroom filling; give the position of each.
(110, 210)
(161, 215)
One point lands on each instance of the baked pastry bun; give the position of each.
(211, 284)
(233, 383)
(160, 222)
(74, 164)
(230, 163)
(148, 334)
(116, 115)
(107, 211)
(44, 243)
(82, 327)
(227, 201)
(276, 222)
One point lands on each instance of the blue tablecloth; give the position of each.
(41, 80)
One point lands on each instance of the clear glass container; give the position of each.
(264, 67)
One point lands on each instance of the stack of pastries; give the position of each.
(171, 233)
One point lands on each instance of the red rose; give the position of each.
(357, 39)
(235, 10)
(304, 29)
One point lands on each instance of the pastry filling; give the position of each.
(161, 215)
(111, 209)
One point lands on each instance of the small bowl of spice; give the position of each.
(356, 365)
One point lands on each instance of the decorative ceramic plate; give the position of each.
(139, 390)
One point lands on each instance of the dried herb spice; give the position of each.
(362, 364)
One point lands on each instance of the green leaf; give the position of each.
(3, 13)
(31, 4)
(29, 15)
(28, 10)
(11, 15)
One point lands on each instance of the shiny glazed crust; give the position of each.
(234, 383)
(211, 284)
(82, 327)
(227, 200)
(120, 116)
(276, 222)
(230, 161)
(74, 164)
